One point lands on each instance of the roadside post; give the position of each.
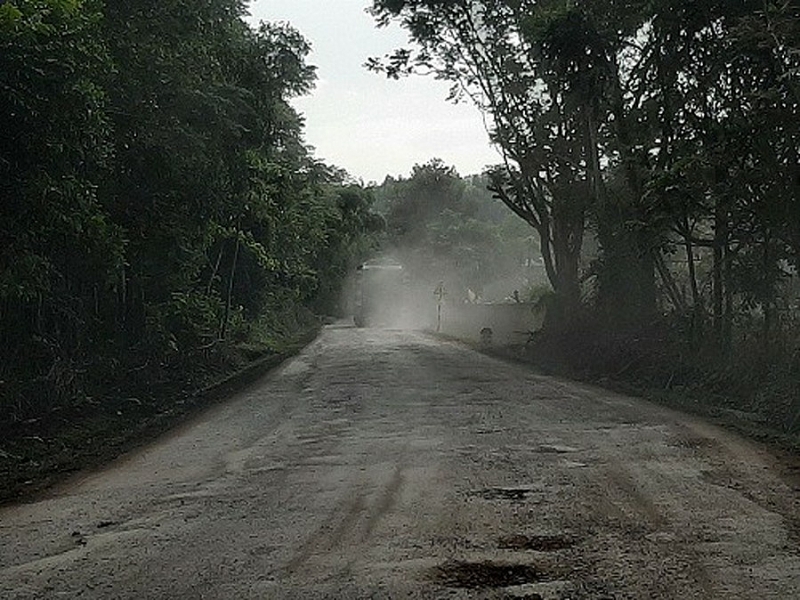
(439, 293)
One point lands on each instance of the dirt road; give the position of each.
(384, 464)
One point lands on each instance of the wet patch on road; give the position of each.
(489, 430)
(485, 575)
(536, 543)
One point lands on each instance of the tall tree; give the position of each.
(541, 71)
(157, 196)
(723, 108)
(59, 251)
(447, 228)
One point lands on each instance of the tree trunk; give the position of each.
(224, 328)
(567, 266)
(675, 296)
(718, 283)
(215, 270)
(696, 326)
(546, 248)
(727, 327)
(768, 302)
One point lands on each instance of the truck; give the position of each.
(380, 292)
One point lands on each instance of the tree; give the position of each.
(660, 120)
(726, 173)
(431, 189)
(159, 203)
(540, 70)
(60, 253)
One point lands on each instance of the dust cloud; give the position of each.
(409, 290)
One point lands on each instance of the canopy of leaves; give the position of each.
(157, 194)
(670, 125)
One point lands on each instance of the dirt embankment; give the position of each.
(748, 400)
(90, 432)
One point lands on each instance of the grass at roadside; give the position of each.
(763, 419)
(37, 453)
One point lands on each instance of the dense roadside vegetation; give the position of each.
(161, 221)
(668, 131)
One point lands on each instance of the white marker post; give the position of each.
(439, 293)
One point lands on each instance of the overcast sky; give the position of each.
(359, 120)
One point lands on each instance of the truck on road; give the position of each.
(379, 293)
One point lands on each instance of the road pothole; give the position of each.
(693, 443)
(501, 493)
(536, 543)
(485, 575)
(557, 449)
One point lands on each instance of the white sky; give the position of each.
(359, 120)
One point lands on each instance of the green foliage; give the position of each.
(538, 70)
(668, 131)
(722, 114)
(59, 250)
(688, 109)
(157, 197)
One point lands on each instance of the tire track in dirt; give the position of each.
(350, 523)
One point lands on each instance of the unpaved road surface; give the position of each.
(384, 464)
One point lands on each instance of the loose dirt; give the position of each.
(389, 464)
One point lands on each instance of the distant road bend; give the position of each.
(389, 464)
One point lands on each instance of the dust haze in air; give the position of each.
(455, 259)
(410, 289)
(387, 292)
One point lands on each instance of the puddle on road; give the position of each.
(536, 543)
(486, 574)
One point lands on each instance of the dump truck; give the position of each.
(379, 293)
